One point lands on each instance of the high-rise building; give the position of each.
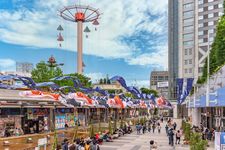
(24, 67)
(197, 28)
(173, 46)
(187, 38)
(208, 15)
(159, 82)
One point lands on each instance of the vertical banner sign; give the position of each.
(217, 140)
(189, 85)
(179, 89)
(187, 90)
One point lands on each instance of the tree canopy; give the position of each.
(149, 91)
(43, 73)
(217, 52)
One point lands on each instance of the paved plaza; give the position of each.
(141, 142)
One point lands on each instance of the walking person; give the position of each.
(153, 145)
(94, 146)
(178, 136)
(171, 136)
(174, 126)
(143, 128)
(159, 127)
(167, 128)
(137, 128)
(153, 127)
(65, 145)
(149, 127)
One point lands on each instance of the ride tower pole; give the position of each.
(79, 16)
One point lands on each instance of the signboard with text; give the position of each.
(219, 141)
(162, 84)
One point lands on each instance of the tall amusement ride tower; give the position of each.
(80, 14)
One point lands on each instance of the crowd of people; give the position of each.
(92, 143)
(171, 131)
(154, 125)
(151, 126)
(207, 134)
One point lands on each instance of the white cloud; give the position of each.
(139, 83)
(157, 59)
(7, 65)
(37, 27)
(95, 76)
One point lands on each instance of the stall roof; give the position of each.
(12, 98)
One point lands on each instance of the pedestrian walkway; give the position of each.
(141, 142)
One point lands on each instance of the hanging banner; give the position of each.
(187, 90)
(179, 89)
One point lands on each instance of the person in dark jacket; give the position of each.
(65, 144)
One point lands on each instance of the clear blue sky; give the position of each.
(126, 43)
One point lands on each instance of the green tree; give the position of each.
(104, 81)
(129, 95)
(84, 80)
(196, 142)
(101, 81)
(43, 73)
(149, 91)
(217, 52)
(108, 81)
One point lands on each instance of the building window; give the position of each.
(200, 17)
(220, 13)
(210, 23)
(210, 7)
(186, 71)
(220, 5)
(189, 28)
(211, 39)
(190, 51)
(210, 15)
(188, 36)
(200, 25)
(190, 70)
(190, 61)
(216, 6)
(210, 1)
(211, 31)
(205, 32)
(205, 40)
(200, 41)
(188, 43)
(185, 62)
(216, 14)
(188, 14)
(200, 33)
(200, 2)
(215, 22)
(200, 10)
(189, 5)
(185, 51)
(205, 24)
(188, 20)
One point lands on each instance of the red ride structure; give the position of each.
(80, 14)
